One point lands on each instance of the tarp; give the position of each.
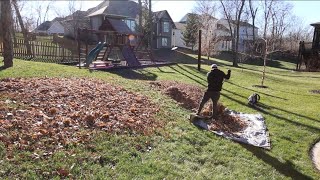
(255, 133)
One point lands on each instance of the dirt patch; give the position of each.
(52, 113)
(189, 97)
(315, 91)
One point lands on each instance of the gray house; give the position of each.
(119, 12)
(163, 29)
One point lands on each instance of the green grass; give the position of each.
(182, 150)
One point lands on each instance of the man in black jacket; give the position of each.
(215, 80)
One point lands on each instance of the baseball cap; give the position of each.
(214, 66)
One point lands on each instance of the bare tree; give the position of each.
(208, 23)
(232, 11)
(267, 8)
(23, 29)
(253, 11)
(280, 15)
(6, 21)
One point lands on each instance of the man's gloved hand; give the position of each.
(229, 71)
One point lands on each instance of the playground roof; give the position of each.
(119, 26)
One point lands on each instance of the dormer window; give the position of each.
(165, 27)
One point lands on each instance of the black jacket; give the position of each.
(215, 79)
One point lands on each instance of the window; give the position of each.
(165, 26)
(164, 42)
(131, 24)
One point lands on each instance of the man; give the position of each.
(215, 80)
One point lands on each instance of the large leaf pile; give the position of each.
(51, 113)
(189, 97)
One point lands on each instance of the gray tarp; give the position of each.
(255, 133)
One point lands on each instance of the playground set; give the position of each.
(309, 52)
(114, 50)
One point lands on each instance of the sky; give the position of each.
(308, 11)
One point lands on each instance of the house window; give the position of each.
(165, 27)
(164, 42)
(131, 24)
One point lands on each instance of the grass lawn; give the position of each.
(181, 150)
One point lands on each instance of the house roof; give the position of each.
(123, 8)
(161, 14)
(77, 15)
(242, 23)
(99, 6)
(185, 17)
(222, 27)
(59, 19)
(81, 23)
(315, 24)
(180, 26)
(44, 26)
(98, 12)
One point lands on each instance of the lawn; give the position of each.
(180, 150)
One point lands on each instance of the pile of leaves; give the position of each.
(52, 113)
(189, 97)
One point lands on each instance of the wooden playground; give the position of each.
(107, 50)
(309, 52)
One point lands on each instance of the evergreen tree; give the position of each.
(190, 34)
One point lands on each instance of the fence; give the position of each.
(43, 52)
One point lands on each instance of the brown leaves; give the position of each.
(49, 113)
(189, 97)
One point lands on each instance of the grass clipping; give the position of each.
(52, 113)
(189, 97)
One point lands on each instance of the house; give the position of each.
(245, 35)
(163, 30)
(76, 20)
(221, 32)
(51, 27)
(122, 17)
(177, 35)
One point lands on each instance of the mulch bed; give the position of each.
(52, 113)
(189, 97)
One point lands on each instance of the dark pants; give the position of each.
(214, 96)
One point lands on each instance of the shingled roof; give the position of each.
(123, 8)
(160, 14)
(44, 26)
(315, 24)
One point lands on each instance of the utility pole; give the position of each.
(199, 51)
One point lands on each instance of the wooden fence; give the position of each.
(43, 52)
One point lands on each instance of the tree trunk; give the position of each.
(235, 61)
(264, 62)
(151, 24)
(23, 29)
(140, 16)
(6, 21)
